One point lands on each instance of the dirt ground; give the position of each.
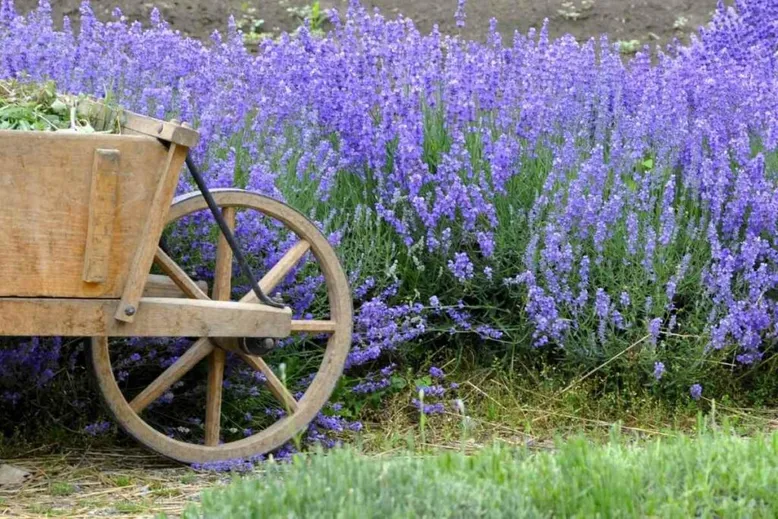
(643, 20)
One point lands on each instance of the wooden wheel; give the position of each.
(338, 325)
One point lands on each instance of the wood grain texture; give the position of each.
(222, 277)
(313, 326)
(197, 352)
(274, 384)
(149, 237)
(102, 214)
(279, 271)
(45, 185)
(158, 285)
(136, 124)
(213, 403)
(222, 285)
(156, 317)
(176, 274)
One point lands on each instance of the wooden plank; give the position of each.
(222, 285)
(45, 185)
(313, 326)
(102, 214)
(167, 131)
(148, 240)
(156, 317)
(158, 285)
(280, 270)
(136, 124)
(197, 352)
(179, 277)
(274, 384)
(213, 403)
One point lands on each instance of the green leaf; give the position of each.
(59, 107)
(398, 382)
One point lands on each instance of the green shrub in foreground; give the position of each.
(711, 476)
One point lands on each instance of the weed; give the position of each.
(61, 488)
(251, 25)
(310, 14)
(121, 481)
(188, 479)
(628, 46)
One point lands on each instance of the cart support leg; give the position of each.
(144, 256)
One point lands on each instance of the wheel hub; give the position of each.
(257, 345)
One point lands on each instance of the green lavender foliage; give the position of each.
(713, 475)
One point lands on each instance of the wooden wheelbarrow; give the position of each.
(80, 226)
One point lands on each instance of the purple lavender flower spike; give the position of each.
(659, 370)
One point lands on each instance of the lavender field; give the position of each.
(526, 198)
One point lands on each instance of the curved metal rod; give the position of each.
(217, 214)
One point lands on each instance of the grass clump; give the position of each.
(62, 488)
(713, 475)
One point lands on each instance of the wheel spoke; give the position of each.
(313, 326)
(279, 271)
(274, 384)
(221, 292)
(213, 406)
(197, 352)
(223, 275)
(179, 277)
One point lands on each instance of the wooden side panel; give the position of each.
(45, 185)
(156, 317)
(102, 209)
(152, 230)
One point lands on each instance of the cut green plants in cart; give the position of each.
(39, 107)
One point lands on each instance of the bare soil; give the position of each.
(644, 20)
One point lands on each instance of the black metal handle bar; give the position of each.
(228, 235)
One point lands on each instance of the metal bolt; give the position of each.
(129, 311)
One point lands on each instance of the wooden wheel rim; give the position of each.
(320, 389)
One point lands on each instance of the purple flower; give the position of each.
(659, 370)
(429, 409)
(577, 179)
(460, 15)
(695, 391)
(654, 326)
(97, 428)
(433, 391)
(461, 267)
(436, 372)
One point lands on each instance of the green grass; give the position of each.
(712, 475)
(61, 488)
